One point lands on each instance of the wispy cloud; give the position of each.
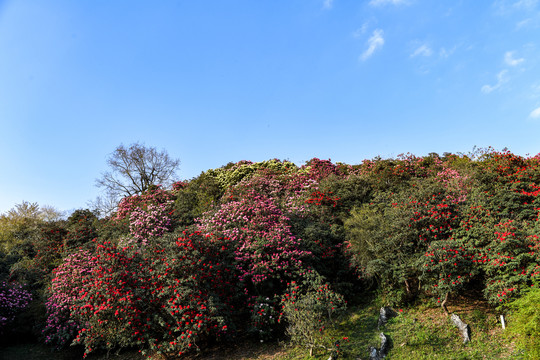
(375, 42)
(535, 90)
(444, 52)
(507, 7)
(523, 23)
(525, 4)
(535, 114)
(387, 2)
(423, 50)
(328, 4)
(361, 31)
(510, 60)
(501, 79)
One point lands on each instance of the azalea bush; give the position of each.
(166, 297)
(153, 221)
(65, 292)
(13, 300)
(267, 254)
(155, 195)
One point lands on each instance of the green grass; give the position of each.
(419, 332)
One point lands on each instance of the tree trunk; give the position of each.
(443, 304)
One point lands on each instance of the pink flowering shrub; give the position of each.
(155, 196)
(152, 221)
(267, 253)
(140, 217)
(457, 185)
(13, 299)
(65, 291)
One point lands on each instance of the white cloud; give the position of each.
(510, 60)
(361, 31)
(523, 23)
(385, 2)
(501, 79)
(525, 4)
(328, 4)
(375, 42)
(508, 7)
(535, 114)
(535, 89)
(444, 52)
(423, 50)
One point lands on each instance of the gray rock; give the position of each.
(385, 314)
(463, 328)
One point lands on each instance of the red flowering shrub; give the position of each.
(496, 240)
(500, 251)
(166, 297)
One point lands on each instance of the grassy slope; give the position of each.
(422, 332)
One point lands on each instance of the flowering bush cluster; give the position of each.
(239, 247)
(449, 223)
(13, 299)
(152, 221)
(266, 255)
(266, 251)
(166, 297)
(155, 195)
(64, 293)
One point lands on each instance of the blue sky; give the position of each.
(219, 81)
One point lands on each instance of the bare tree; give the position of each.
(135, 168)
(104, 205)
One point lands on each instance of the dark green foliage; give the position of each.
(389, 237)
(82, 229)
(196, 198)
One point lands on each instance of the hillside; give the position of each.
(270, 253)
